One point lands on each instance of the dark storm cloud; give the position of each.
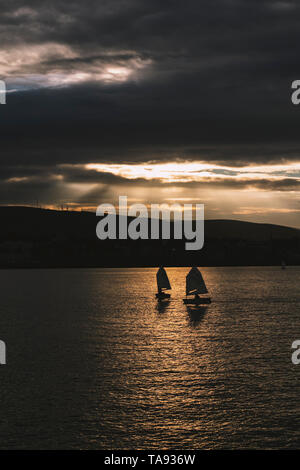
(211, 81)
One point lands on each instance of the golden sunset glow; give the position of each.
(184, 172)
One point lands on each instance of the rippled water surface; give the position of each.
(92, 362)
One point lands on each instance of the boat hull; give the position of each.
(162, 296)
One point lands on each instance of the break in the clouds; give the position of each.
(191, 99)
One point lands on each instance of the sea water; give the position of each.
(93, 361)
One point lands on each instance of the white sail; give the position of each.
(195, 283)
(162, 279)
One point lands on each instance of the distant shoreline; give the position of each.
(33, 238)
(11, 268)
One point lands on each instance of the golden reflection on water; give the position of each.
(107, 367)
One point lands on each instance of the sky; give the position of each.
(161, 101)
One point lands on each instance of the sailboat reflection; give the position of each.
(161, 307)
(196, 313)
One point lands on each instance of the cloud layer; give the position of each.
(135, 82)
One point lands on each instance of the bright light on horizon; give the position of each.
(183, 172)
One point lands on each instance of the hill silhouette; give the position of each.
(34, 237)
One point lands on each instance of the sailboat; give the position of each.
(162, 284)
(195, 285)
